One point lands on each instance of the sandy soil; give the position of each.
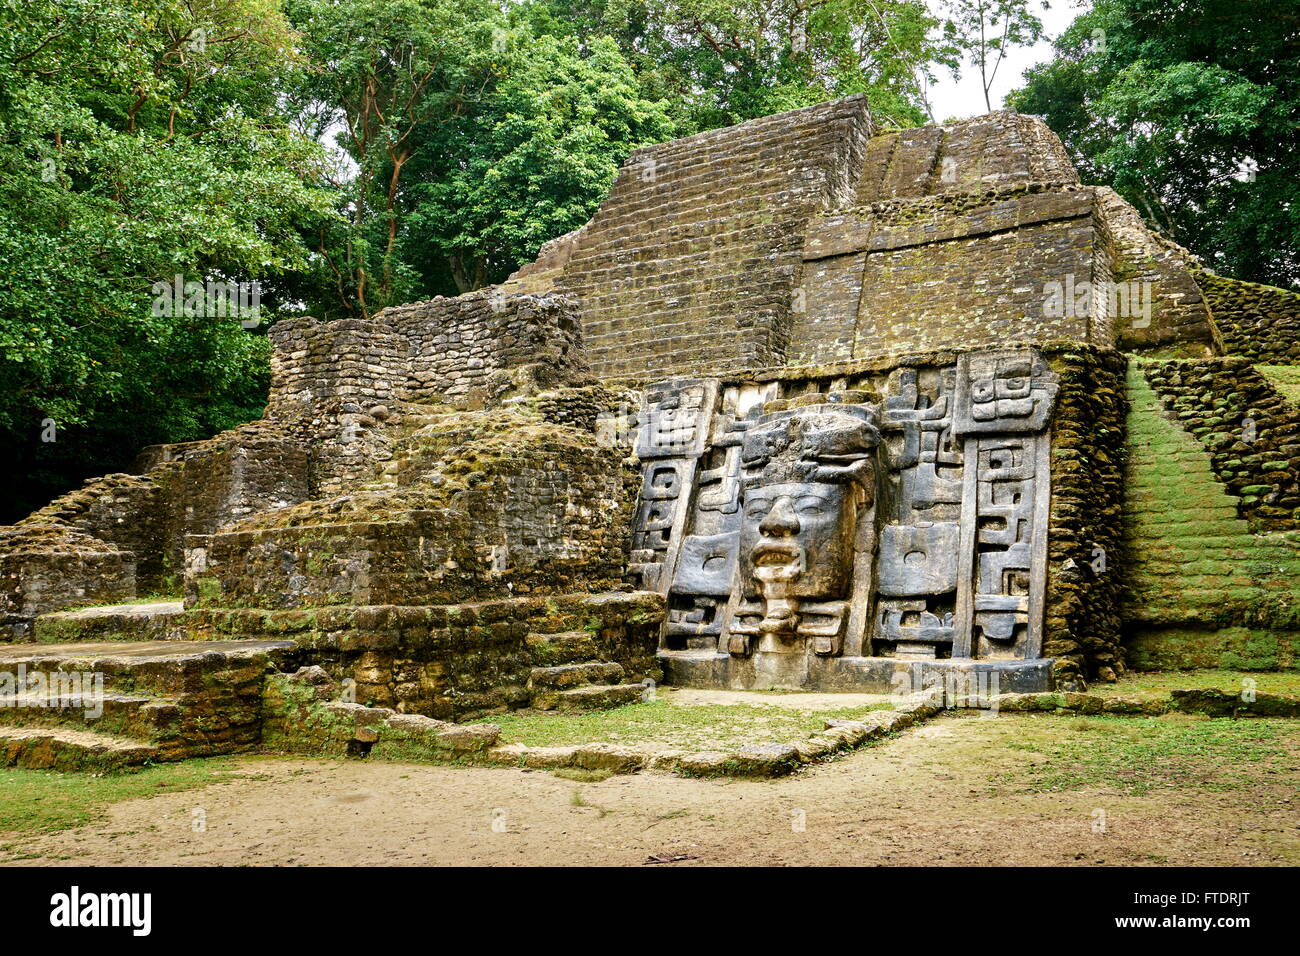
(927, 797)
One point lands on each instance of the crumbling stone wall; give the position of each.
(486, 505)
(692, 261)
(477, 348)
(1258, 321)
(1179, 319)
(193, 488)
(1084, 585)
(312, 362)
(1251, 432)
(123, 511)
(590, 408)
(46, 567)
(998, 149)
(457, 661)
(335, 385)
(961, 269)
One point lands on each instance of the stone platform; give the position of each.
(867, 675)
(114, 704)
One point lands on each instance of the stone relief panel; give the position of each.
(809, 491)
(906, 520)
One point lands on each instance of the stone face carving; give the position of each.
(810, 481)
(835, 525)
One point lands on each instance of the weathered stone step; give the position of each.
(138, 716)
(68, 749)
(164, 668)
(575, 675)
(566, 647)
(181, 698)
(150, 621)
(591, 697)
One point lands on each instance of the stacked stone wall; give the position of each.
(980, 268)
(1179, 321)
(457, 661)
(1258, 321)
(692, 261)
(478, 348)
(488, 509)
(1083, 623)
(998, 149)
(47, 567)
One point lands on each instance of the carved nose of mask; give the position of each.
(781, 520)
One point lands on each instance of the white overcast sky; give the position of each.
(965, 97)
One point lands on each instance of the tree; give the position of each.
(720, 62)
(468, 142)
(532, 162)
(139, 140)
(985, 30)
(1190, 111)
(381, 71)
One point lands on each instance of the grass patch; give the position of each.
(665, 726)
(581, 775)
(1284, 378)
(1138, 755)
(1160, 683)
(44, 801)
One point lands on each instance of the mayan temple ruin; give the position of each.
(805, 406)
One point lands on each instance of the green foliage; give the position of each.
(532, 162)
(138, 141)
(1190, 111)
(718, 62)
(985, 30)
(1136, 755)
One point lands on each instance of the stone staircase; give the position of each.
(112, 705)
(1203, 590)
(1191, 554)
(571, 678)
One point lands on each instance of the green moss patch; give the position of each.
(1284, 378)
(1159, 684)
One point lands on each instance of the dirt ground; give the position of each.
(950, 793)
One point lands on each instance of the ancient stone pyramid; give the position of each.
(805, 404)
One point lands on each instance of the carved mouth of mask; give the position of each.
(778, 556)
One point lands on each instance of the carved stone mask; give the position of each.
(801, 535)
(811, 475)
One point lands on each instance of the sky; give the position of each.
(958, 99)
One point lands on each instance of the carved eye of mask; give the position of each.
(810, 506)
(757, 508)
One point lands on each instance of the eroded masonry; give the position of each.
(806, 404)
